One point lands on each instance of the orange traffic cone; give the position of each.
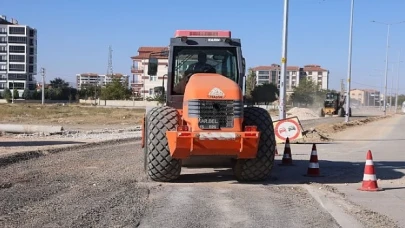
(369, 177)
(287, 157)
(313, 167)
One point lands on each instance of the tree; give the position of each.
(59, 83)
(265, 93)
(36, 95)
(115, 91)
(87, 91)
(159, 94)
(26, 94)
(305, 92)
(7, 95)
(401, 99)
(250, 83)
(16, 94)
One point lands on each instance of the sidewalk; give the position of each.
(386, 141)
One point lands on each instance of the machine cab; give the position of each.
(194, 51)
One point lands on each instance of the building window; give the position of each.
(17, 30)
(294, 73)
(17, 40)
(320, 73)
(17, 67)
(32, 32)
(263, 72)
(17, 49)
(150, 91)
(153, 78)
(309, 72)
(17, 58)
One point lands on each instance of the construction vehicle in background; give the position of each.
(204, 114)
(334, 104)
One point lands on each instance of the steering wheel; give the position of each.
(205, 69)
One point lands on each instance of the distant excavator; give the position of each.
(334, 105)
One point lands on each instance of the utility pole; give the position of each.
(386, 60)
(349, 64)
(283, 93)
(43, 85)
(398, 70)
(12, 94)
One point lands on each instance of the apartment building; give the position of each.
(271, 74)
(142, 84)
(88, 79)
(18, 55)
(365, 97)
(319, 75)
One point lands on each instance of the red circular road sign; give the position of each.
(287, 128)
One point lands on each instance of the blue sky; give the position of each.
(73, 35)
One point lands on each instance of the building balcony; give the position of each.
(136, 70)
(137, 85)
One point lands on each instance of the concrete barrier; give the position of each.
(23, 101)
(30, 129)
(121, 103)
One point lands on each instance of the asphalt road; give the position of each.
(342, 167)
(106, 187)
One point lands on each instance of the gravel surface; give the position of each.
(81, 188)
(106, 187)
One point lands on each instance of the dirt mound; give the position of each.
(302, 113)
(324, 132)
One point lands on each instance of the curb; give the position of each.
(16, 157)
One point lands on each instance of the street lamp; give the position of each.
(349, 64)
(386, 60)
(282, 103)
(398, 68)
(12, 94)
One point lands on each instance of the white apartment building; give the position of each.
(87, 79)
(319, 75)
(142, 84)
(271, 74)
(18, 55)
